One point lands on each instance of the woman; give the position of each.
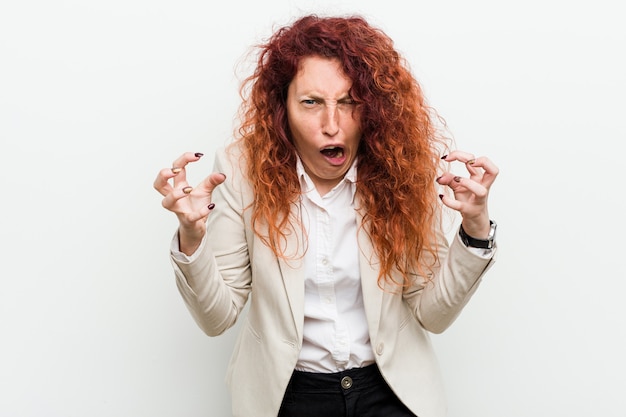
(324, 213)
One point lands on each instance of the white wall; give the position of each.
(97, 96)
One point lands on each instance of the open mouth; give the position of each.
(332, 152)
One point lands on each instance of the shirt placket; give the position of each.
(326, 287)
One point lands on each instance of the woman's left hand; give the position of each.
(470, 194)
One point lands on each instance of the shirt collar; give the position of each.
(306, 183)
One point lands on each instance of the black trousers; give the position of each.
(359, 392)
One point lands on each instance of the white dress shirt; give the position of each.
(336, 336)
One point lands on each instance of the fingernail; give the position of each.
(444, 157)
(441, 196)
(224, 175)
(187, 190)
(438, 178)
(457, 179)
(211, 206)
(176, 170)
(198, 154)
(471, 162)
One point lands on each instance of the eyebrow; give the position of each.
(315, 96)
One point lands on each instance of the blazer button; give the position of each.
(346, 382)
(380, 348)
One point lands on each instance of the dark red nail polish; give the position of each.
(211, 206)
(441, 196)
(438, 178)
(457, 179)
(198, 154)
(444, 157)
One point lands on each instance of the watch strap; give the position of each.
(479, 243)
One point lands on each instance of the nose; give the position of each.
(330, 124)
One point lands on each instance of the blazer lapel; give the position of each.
(292, 273)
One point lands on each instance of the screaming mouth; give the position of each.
(333, 152)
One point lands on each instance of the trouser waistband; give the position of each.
(343, 380)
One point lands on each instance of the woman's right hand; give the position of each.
(191, 205)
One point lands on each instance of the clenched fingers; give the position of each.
(175, 194)
(481, 169)
(489, 170)
(177, 172)
(459, 184)
(162, 181)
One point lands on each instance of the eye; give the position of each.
(309, 101)
(348, 101)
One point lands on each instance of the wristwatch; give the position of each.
(480, 243)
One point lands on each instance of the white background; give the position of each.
(97, 96)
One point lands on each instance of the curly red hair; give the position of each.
(399, 153)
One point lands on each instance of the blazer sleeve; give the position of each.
(215, 281)
(438, 298)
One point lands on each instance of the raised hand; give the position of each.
(191, 205)
(470, 193)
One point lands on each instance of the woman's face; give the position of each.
(324, 121)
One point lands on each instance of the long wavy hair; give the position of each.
(399, 153)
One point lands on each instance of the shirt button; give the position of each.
(346, 382)
(380, 348)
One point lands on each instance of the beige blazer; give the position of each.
(234, 266)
